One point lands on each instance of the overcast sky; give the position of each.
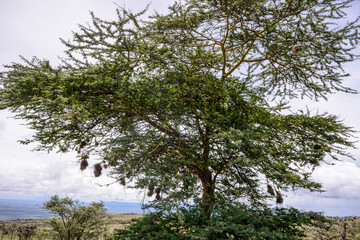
(33, 28)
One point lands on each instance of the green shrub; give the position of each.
(238, 222)
(26, 232)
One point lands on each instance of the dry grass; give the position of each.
(338, 228)
(117, 221)
(347, 228)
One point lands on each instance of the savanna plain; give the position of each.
(337, 228)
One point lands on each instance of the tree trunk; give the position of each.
(208, 196)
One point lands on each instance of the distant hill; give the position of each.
(12, 209)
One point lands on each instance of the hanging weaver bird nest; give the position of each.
(315, 163)
(81, 145)
(279, 198)
(151, 188)
(270, 190)
(97, 169)
(157, 191)
(83, 164)
(122, 181)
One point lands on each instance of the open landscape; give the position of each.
(227, 118)
(12, 209)
(11, 229)
(346, 228)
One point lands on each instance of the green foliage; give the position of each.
(4, 229)
(195, 103)
(26, 232)
(11, 230)
(23, 231)
(76, 221)
(238, 222)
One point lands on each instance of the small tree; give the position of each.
(11, 229)
(3, 229)
(76, 221)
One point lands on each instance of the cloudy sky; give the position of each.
(33, 28)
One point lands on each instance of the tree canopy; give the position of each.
(76, 221)
(194, 104)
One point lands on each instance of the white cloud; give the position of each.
(342, 185)
(50, 174)
(24, 173)
(329, 206)
(2, 126)
(340, 181)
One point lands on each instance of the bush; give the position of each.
(25, 232)
(76, 220)
(238, 222)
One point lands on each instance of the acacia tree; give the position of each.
(193, 104)
(75, 220)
